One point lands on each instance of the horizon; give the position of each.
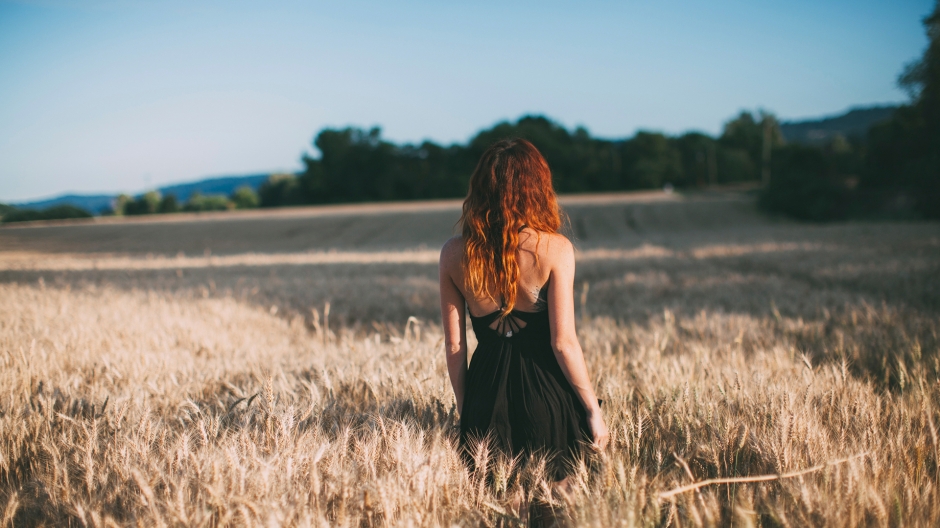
(112, 87)
(206, 178)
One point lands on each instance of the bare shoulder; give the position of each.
(452, 252)
(557, 250)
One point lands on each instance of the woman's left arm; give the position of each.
(453, 319)
(565, 339)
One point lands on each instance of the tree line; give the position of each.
(357, 165)
(153, 202)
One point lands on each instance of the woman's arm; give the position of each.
(565, 339)
(453, 318)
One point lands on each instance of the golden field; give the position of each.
(285, 368)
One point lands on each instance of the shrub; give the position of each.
(23, 215)
(168, 204)
(58, 212)
(215, 202)
(281, 189)
(805, 185)
(147, 203)
(245, 198)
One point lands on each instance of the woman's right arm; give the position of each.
(453, 319)
(565, 339)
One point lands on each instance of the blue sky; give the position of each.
(125, 95)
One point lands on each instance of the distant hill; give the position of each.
(854, 123)
(97, 203)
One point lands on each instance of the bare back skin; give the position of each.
(534, 259)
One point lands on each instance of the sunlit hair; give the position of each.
(511, 188)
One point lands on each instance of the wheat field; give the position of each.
(286, 369)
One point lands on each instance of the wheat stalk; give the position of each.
(755, 478)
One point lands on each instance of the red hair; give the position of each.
(510, 189)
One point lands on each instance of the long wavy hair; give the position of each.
(510, 189)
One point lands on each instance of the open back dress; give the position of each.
(516, 394)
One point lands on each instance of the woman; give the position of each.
(527, 386)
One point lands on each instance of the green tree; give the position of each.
(921, 78)
(245, 198)
(751, 137)
(698, 155)
(120, 204)
(579, 162)
(168, 204)
(735, 165)
(806, 185)
(313, 184)
(360, 166)
(5, 209)
(145, 204)
(743, 132)
(280, 190)
(651, 160)
(199, 202)
(904, 152)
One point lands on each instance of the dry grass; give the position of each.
(213, 395)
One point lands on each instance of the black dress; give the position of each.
(517, 395)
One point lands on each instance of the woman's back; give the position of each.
(536, 256)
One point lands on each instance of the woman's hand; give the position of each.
(599, 433)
